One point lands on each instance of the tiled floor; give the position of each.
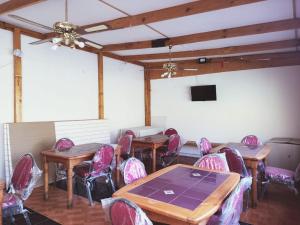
(279, 207)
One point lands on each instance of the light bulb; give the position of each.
(56, 40)
(79, 43)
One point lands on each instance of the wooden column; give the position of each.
(147, 87)
(100, 86)
(17, 77)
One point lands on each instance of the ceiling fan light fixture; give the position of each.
(54, 47)
(56, 40)
(96, 28)
(79, 43)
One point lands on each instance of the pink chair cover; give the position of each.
(280, 175)
(102, 160)
(125, 144)
(170, 132)
(173, 145)
(213, 162)
(132, 170)
(63, 144)
(235, 161)
(125, 212)
(232, 207)
(297, 173)
(204, 145)
(130, 132)
(251, 140)
(25, 176)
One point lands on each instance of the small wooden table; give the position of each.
(2, 185)
(251, 157)
(180, 194)
(69, 159)
(152, 142)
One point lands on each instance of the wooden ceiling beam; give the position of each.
(218, 51)
(219, 65)
(187, 9)
(254, 57)
(16, 4)
(262, 28)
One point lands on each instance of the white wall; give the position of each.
(58, 85)
(265, 102)
(123, 95)
(6, 88)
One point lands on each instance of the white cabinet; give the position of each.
(285, 153)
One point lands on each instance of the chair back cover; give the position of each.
(235, 161)
(173, 145)
(63, 144)
(132, 170)
(297, 173)
(125, 212)
(250, 140)
(170, 132)
(102, 160)
(125, 144)
(25, 176)
(213, 162)
(232, 207)
(204, 145)
(130, 132)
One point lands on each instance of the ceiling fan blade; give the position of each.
(154, 69)
(30, 22)
(90, 43)
(97, 28)
(41, 41)
(190, 69)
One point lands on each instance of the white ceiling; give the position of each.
(82, 12)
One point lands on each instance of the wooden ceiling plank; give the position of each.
(254, 29)
(218, 51)
(187, 9)
(13, 5)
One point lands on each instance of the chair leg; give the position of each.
(26, 217)
(88, 191)
(112, 183)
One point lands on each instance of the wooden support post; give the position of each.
(100, 86)
(17, 77)
(147, 87)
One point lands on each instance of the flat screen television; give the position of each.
(204, 93)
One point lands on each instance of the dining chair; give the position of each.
(170, 131)
(61, 145)
(125, 146)
(169, 154)
(132, 169)
(216, 161)
(204, 146)
(231, 209)
(25, 176)
(125, 212)
(236, 164)
(282, 176)
(130, 132)
(100, 166)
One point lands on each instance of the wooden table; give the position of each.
(180, 194)
(251, 157)
(151, 142)
(2, 185)
(69, 159)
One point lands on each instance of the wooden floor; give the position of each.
(279, 207)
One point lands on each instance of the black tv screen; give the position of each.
(204, 93)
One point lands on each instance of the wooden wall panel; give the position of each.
(147, 86)
(100, 87)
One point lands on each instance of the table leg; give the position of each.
(254, 185)
(46, 178)
(70, 186)
(132, 151)
(154, 159)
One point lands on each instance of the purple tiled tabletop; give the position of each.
(182, 186)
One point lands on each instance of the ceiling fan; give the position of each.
(170, 68)
(66, 33)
